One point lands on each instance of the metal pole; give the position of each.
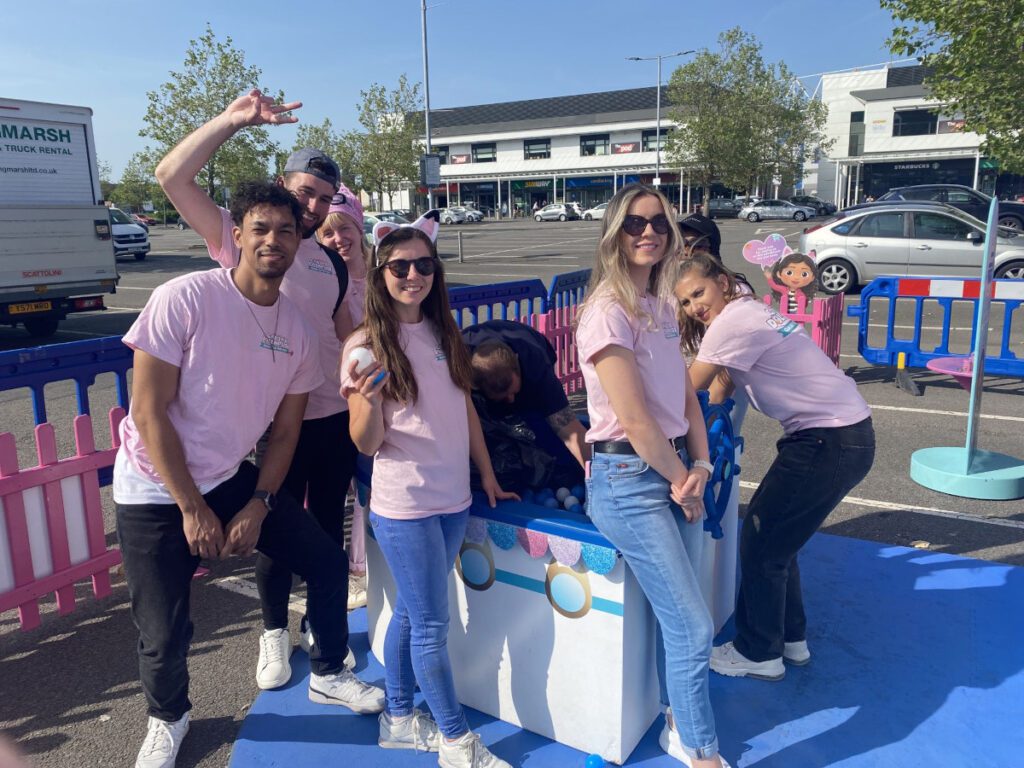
(981, 334)
(461, 260)
(497, 211)
(426, 94)
(977, 168)
(657, 132)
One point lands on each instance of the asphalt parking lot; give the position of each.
(71, 695)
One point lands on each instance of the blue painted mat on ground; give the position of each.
(918, 661)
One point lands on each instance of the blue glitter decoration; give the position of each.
(600, 560)
(503, 536)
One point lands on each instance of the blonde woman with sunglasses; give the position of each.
(650, 461)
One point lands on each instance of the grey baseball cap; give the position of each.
(315, 163)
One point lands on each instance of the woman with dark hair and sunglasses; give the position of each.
(827, 449)
(409, 396)
(650, 461)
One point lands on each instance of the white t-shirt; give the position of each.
(655, 345)
(422, 467)
(312, 285)
(237, 361)
(785, 374)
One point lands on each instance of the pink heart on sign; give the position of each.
(766, 252)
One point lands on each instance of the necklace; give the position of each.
(268, 340)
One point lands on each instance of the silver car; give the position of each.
(453, 215)
(927, 239)
(775, 209)
(597, 212)
(556, 211)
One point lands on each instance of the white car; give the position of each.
(597, 212)
(905, 238)
(453, 215)
(471, 214)
(776, 209)
(130, 239)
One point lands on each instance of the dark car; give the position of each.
(1011, 214)
(722, 208)
(822, 207)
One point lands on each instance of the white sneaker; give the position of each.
(306, 643)
(670, 743)
(346, 690)
(162, 742)
(796, 653)
(467, 752)
(356, 591)
(418, 732)
(273, 668)
(726, 660)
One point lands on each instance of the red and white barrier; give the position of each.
(51, 521)
(957, 289)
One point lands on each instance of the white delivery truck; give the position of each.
(56, 247)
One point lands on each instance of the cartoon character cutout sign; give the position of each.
(788, 273)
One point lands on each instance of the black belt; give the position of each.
(625, 447)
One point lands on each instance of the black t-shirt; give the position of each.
(541, 392)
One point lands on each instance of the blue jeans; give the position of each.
(630, 505)
(420, 554)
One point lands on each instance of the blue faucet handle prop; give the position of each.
(722, 446)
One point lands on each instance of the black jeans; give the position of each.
(814, 470)
(159, 569)
(320, 474)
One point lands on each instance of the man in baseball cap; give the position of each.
(701, 233)
(315, 163)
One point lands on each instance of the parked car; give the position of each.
(821, 207)
(722, 207)
(775, 209)
(143, 220)
(905, 238)
(369, 220)
(453, 215)
(472, 215)
(1011, 214)
(743, 200)
(389, 216)
(556, 211)
(597, 212)
(130, 239)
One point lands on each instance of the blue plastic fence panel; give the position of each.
(78, 361)
(568, 289)
(517, 300)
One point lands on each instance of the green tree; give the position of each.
(106, 185)
(741, 119)
(387, 149)
(214, 74)
(326, 139)
(975, 52)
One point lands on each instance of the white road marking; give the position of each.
(132, 288)
(935, 412)
(932, 511)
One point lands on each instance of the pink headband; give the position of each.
(428, 224)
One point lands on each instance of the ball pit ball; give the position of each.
(576, 509)
(594, 761)
(561, 494)
(363, 358)
(551, 502)
(578, 491)
(570, 501)
(544, 494)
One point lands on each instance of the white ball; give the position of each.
(561, 494)
(364, 358)
(569, 501)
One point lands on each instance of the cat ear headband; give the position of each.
(429, 223)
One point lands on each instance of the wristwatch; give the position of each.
(701, 464)
(268, 499)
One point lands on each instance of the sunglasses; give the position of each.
(634, 226)
(425, 265)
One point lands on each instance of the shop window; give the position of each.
(485, 153)
(594, 144)
(914, 122)
(857, 117)
(856, 146)
(649, 142)
(441, 152)
(536, 149)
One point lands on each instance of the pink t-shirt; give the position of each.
(355, 298)
(422, 467)
(654, 342)
(781, 369)
(312, 285)
(233, 375)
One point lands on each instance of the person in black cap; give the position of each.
(701, 234)
(325, 456)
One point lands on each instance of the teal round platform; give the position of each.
(993, 475)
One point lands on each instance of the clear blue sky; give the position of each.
(323, 52)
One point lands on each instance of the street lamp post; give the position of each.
(426, 94)
(659, 57)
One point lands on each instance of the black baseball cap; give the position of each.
(704, 227)
(315, 163)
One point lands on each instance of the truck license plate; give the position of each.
(29, 307)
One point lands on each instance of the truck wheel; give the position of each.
(141, 256)
(42, 327)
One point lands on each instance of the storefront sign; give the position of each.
(589, 181)
(880, 126)
(458, 159)
(625, 149)
(951, 126)
(915, 166)
(532, 184)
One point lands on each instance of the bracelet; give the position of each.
(705, 465)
